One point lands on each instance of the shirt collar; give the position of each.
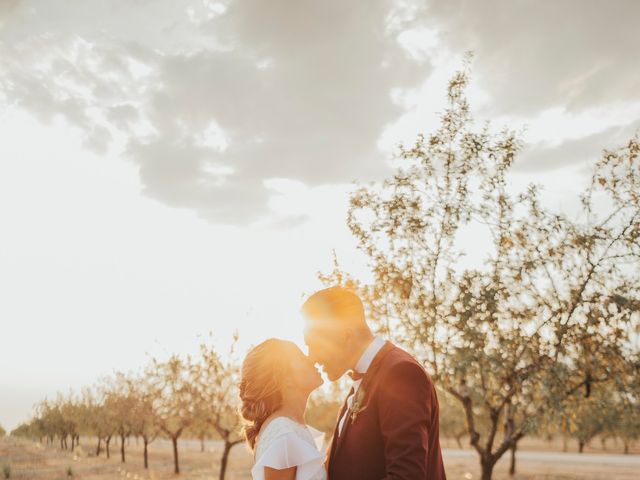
(369, 354)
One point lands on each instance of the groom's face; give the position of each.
(328, 344)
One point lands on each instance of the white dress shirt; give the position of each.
(361, 367)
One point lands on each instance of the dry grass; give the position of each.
(35, 462)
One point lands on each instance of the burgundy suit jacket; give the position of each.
(396, 435)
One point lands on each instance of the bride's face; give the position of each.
(303, 374)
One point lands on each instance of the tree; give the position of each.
(56, 420)
(201, 430)
(145, 424)
(104, 427)
(217, 381)
(2, 432)
(172, 398)
(324, 406)
(626, 425)
(101, 421)
(588, 417)
(120, 402)
(71, 413)
(541, 318)
(452, 423)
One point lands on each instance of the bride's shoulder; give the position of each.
(276, 426)
(278, 422)
(284, 443)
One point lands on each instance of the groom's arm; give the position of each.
(405, 404)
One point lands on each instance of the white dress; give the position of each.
(284, 443)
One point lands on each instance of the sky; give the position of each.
(170, 169)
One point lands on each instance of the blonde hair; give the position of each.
(263, 372)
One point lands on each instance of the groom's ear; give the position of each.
(287, 382)
(348, 334)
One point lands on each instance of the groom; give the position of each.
(388, 426)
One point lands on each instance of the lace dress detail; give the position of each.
(284, 443)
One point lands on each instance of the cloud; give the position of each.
(533, 55)
(564, 71)
(296, 89)
(585, 150)
(213, 99)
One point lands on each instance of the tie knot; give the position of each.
(355, 376)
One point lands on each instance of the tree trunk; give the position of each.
(176, 466)
(122, 448)
(98, 447)
(487, 469)
(225, 459)
(626, 447)
(146, 456)
(512, 467)
(107, 441)
(73, 442)
(580, 446)
(565, 444)
(202, 444)
(77, 440)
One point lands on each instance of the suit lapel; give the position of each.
(366, 380)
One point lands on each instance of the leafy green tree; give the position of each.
(542, 317)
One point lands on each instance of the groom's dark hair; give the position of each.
(336, 303)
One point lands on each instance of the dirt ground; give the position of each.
(33, 461)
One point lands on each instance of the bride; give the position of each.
(277, 379)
